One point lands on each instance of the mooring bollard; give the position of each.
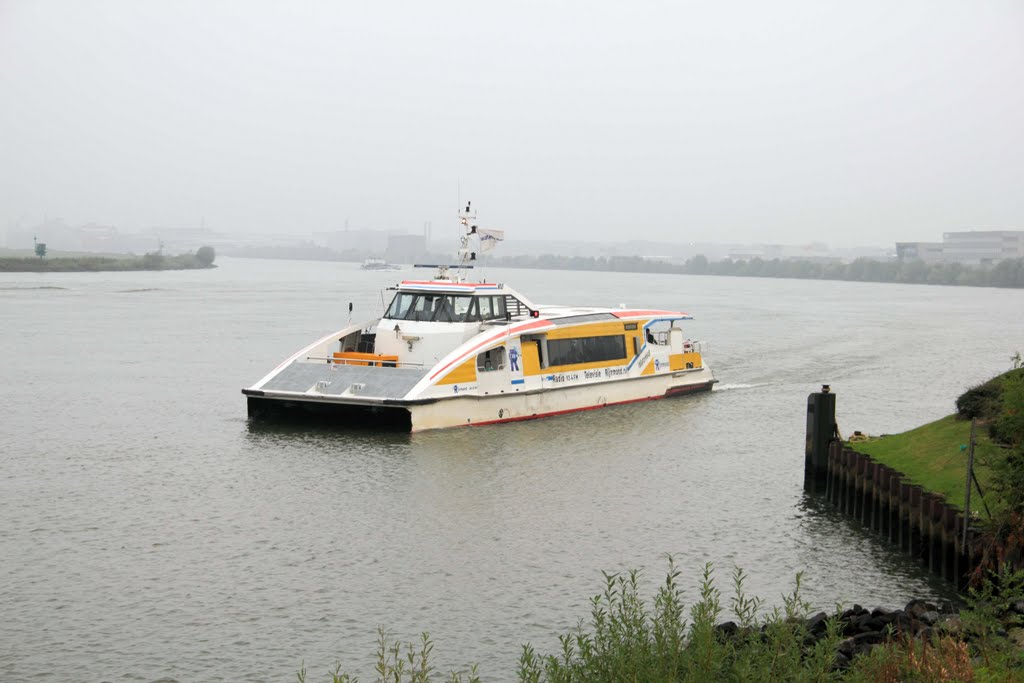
(821, 430)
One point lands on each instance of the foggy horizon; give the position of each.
(789, 124)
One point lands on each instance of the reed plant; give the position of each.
(401, 662)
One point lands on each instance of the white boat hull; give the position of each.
(474, 410)
(485, 410)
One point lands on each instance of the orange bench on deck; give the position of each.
(374, 359)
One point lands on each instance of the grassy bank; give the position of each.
(203, 258)
(931, 456)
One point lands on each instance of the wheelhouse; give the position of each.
(447, 307)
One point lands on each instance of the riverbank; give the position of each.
(944, 470)
(922, 490)
(934, 456)
(80, 263)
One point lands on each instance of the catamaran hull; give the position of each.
(333, 413)
(466, 411)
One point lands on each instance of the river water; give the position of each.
(148, 532)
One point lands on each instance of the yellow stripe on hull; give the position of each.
(463, 374)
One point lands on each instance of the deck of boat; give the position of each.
(333, 380)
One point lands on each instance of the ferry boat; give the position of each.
(379, 264)
(451, 352)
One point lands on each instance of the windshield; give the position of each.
(446, 308)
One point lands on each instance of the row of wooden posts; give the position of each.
(921, 523)
(918, 521)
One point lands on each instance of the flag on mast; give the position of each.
(489, 238)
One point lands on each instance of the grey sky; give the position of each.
(852, 123)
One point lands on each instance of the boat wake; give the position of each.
(16, 288)
(730, 387)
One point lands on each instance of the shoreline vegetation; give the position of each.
(80, 263)
(629, 638)
(1007, 273)
(982, 639)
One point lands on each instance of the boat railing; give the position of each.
(690, 346)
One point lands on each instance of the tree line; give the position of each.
(1007, 273)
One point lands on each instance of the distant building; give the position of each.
(982, 247)
(929, 252)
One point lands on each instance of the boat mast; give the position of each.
(467, 219)
(466, 252)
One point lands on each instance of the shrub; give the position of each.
(944, 659)
(153, 260)
(987, 400)
(205, 255)
(981, 402)
(1008, 428)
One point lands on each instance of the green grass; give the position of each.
(931, 456)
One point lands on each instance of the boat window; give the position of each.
(422, 307)
(460, 308)
(447, 308)
(586, 349)
(442, 309)
(501, 309)
(399, 306)
(493, 359)
(486, 308)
